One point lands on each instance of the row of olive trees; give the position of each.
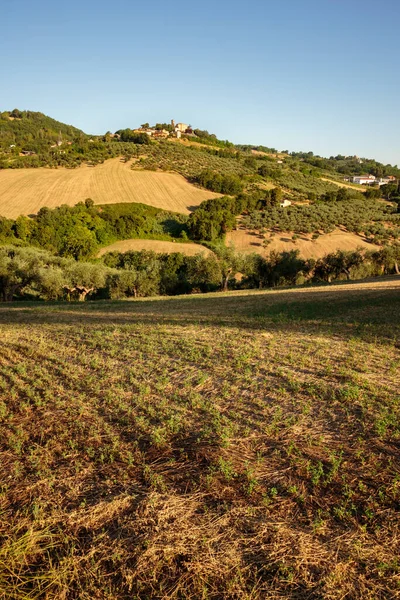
(288, 268)
(31, 273)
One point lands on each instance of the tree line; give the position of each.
(28, 273)
(213, 218)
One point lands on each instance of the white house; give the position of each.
(385, 180)
(364, 179)
(285, 203)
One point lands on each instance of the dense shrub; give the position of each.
(79, 231)
(224, 184)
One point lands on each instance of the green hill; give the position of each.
(32, 139)
(34, 130)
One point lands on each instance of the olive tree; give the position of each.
(21, 268)
(83, 279)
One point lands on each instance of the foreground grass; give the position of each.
(242, 446)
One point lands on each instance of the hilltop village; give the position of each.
(162, 130)
(165, 130)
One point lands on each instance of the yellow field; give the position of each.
(156, 246)
(246, 241)
(352, 186)
(25, 191)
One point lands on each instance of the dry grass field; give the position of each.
(241, 446)
(156, 246)
(25, 191)
(352, 186)
(247, 241)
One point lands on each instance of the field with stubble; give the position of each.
(247, 241)
(237, 446)
(159, 246)
(25, 191)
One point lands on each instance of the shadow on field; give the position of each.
(346, 310)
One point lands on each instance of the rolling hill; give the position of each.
(25, 191)
(34, 128)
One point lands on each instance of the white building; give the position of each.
(181, 127)
(364, 179)
(384, 181)
(285, 203)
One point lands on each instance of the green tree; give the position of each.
(79, 243)
(230, 263)
(144, 273)
(276, 196)
(83, 279)
(203, 272)
(337, 263)
(20, 268)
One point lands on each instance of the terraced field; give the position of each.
(25, 191)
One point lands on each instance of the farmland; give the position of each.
(239, 446)
(249, 241)
(25, 191)
(156, 246)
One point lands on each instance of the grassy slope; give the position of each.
(241, 446)
(25, 191)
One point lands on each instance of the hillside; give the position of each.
(283, 202)
(28, 127)
(240, 446)
(248, 241)
(25, 191)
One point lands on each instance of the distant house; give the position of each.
(285, 203)
(364, 179)
(160, 134)
(386, 180)
(182, 127)
(27, 153)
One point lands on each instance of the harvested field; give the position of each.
(241, 446)
(156, 246)
(25, 191)
(247, 241)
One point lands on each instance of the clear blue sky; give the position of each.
(320, 75)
